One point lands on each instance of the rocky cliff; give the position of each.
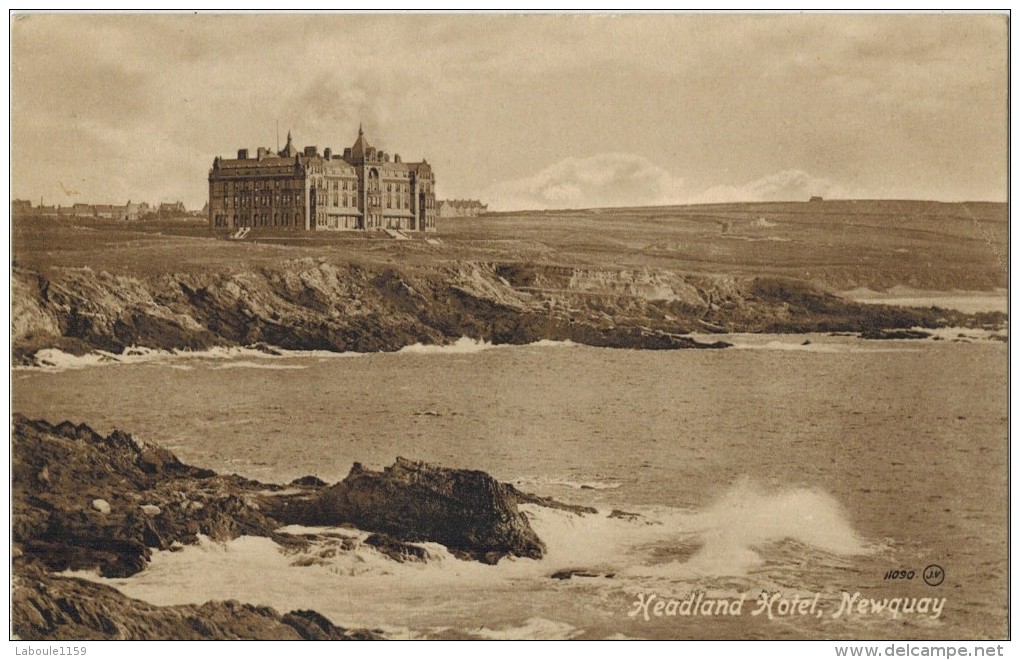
(45, 606)
(83, 501)
(310, 304)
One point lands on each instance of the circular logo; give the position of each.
(934, 575)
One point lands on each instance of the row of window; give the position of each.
(259, 219)
(342, 199)
(333, 184)
(352, 184)
(245, 201)
(263, 184)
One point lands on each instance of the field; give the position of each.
(839, 245)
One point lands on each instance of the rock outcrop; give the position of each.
(50, 607)
(84, 501)
(306, 304)
(468, 511)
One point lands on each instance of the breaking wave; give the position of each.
(533, 628)
(55, 360)
(461, 346)
(730, 537)
(467, 345)
(262, 357)
(247, 364)
(586, 484)
(354, 584)
(809, 347)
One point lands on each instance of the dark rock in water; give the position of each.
(308, 480)
(50, 607)
(568, 573)
(624, 515)
(550, 503)
(313, 626)
(85, 501)
(895, 334)
(81, 500)
(396, 550)
(468, 511)
(265, 348)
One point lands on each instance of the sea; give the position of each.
(789, 487)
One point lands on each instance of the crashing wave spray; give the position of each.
(733, 530)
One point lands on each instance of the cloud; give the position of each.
(613, 179)
(787, 185)
(631, 180)
(899, 104)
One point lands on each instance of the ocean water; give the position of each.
(806, 471)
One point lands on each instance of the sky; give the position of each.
(521, 111)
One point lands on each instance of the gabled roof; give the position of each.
(290, 150)
(361, 145)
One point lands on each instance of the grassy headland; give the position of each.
(610, 277)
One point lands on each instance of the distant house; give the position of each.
(171, 209)
(106, 211)
(817, 198)
(461, 208)
(129, 211)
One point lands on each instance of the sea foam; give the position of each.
(55, 360)
(355, 585)
(468, 345)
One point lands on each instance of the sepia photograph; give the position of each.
(510, 326)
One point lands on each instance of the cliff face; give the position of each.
(86, 501)
(308, 304)
(45, 606)
(83, 501)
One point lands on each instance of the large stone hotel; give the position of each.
(362, 189)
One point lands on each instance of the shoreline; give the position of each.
(968, 302)
(82, 501)
(54, 360)
(314, 305)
